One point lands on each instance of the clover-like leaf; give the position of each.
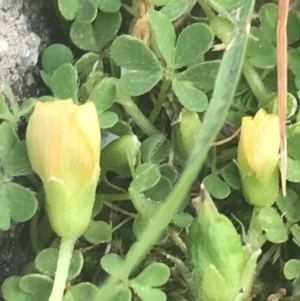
(155, 274)
(81, 292)
(202, 75)
(192, 42)
(169, 171)
(272, 224)
(21, 201)
(64, 82)
(55, 56)
(293, 141)
(33, 283)
(68, 8)
(46, 262)
(230, 174)
(291, 269)
(108, 119)
(4, 210)
(108, 6)
(216, 187)
(260, 49)
(155, 148)
(175, 8)
(146, 176)
(289, 205)
(146, 293)
(111, 263)
(164, 39)
(160, 191)
(98, 232)
(182, 219)
(143, 69)
(189, 96)
(86, 12)
(12, 292)
(293, 170)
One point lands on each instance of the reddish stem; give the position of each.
(282, 61)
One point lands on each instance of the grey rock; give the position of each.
(25, 32)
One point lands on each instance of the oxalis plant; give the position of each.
(181, 99)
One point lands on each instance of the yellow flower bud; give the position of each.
(63, 142)
(258, 158)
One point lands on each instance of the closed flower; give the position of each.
(258, 158)
(63, 142)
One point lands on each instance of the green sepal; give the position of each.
(70, 213)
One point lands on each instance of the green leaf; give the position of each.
(17, 164)
(269, 16)
(146, 176)
(131, 53)
(216, 187)
(8, 140)
(289, 206)
(83, 36)
(22, 202)
(169, 171)
(86, 64)
(33, 283)
(106, 27)
(182, 220)
(68, 8)
(104, 95)
(294, 60)
(175, 8)
(164, 34)
(260, 50)
(189, 96)
(118, 293)
(55, 56)
(108, 119)
(98, 232)
(27, 106)
(272, 224)
(293, 170)
(291, 269)
(4, 210)
(46, 262)
(4, 110)
(87, 12)
(156, 274)
(138, 82)
(155, 148)
(108, 6)
(192, 43)
(293, 141)
(202, 76)
(111, 263)
(12, 292)
(230, 173)
(81, 292)
(64, 82)
(148, 293)
(160, 191)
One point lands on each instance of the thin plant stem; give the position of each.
(282, 61)
(255, 82)
(62, 269)
(206, 8)
(132, 109)
(160, 100)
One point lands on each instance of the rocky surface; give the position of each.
(25, 31)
